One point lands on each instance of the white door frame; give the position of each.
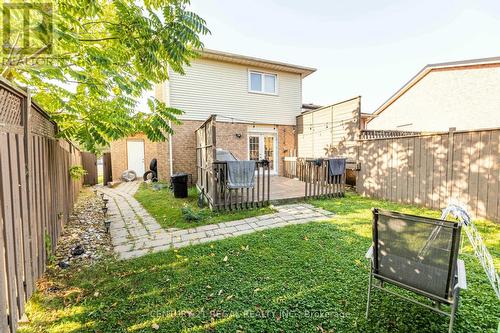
(139, 162)
(261, 133)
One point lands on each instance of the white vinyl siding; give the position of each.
(211, 87)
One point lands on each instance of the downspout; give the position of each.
(170, 150)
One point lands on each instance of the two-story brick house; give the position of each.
(256, 102)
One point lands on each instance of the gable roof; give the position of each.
(258, 62)
(454, 65)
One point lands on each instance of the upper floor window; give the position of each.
(265, 83)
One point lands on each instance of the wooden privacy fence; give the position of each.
(212, 175)
(431, 169)
(107, 173)
(89, 163)
(314, 174)
(36, 197)
(206, 145)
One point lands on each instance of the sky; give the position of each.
(360, 48)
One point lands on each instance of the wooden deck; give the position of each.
(304, 178)
(283, 188)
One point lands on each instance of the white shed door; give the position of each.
(135, 153)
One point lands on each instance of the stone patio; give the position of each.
(135, 233)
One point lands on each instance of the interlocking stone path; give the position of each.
(135, 233)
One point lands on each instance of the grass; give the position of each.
(167, 210)
(303, 278)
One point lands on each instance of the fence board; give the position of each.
(484, 153)
(9, 233)
(34, 190)
(494, 178)
(106, 168)
(4, 326)
(411, 170)
(25, 220)
(89, 163)
(16, 219)
(431, 169)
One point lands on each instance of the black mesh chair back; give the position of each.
(417, 253)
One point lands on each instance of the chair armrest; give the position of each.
(369, 253)
(461, 276)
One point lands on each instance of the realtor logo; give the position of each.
(27, 28)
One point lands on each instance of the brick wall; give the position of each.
(184, 143)
(227, 139)
(119, 157)
(163, 161)
(286, 144)
(184, 147)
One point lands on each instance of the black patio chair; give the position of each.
(418, 254)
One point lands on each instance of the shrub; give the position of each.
(77, 172)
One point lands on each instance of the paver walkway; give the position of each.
(135, 233)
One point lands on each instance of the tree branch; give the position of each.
(98, 39)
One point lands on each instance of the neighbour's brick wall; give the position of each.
(119, 157)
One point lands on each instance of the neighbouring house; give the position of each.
(256, 102)
(363, 120)
(461, 94)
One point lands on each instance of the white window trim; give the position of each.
(262, 92)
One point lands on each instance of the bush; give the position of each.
(190, 215)
(77, 172)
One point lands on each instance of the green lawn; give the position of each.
(167, 210)
(303, 278)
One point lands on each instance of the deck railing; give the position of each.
(224, 198)
(212, 175)
(314, 173)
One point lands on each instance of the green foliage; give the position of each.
(77, 172)
(190, 215)
(303, 278)
(169, 211)
(48, 248)
(107, 54)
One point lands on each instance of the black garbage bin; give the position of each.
(179, 184)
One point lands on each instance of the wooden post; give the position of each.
(214, 156)
(28, 218)
(449, 171)
(268, 184)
